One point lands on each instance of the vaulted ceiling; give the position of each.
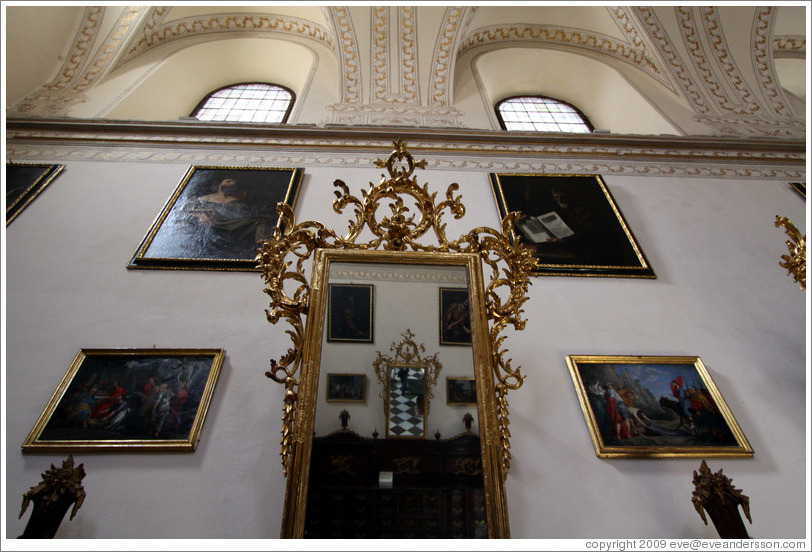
(674, 70)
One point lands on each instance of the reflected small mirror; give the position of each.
(408, 379)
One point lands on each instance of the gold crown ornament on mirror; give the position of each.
(412, 211)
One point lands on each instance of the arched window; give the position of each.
(252, 102)
(541, 114)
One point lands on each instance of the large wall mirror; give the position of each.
(398, 453)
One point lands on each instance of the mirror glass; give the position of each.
(368, 307)
(401, 458)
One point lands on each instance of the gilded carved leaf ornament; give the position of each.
(413, 210)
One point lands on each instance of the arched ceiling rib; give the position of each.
(713, 70)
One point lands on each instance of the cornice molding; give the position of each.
(458, 149)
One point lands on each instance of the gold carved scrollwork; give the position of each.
(468, 466)
(795, 262)
(412, 211)
(410, 465)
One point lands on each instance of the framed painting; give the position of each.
(572, 223)
(799, 187)
(654, 407)
(349, 313)
(347, 388)
(129, 400)
(215, 217)
(24, 182)
(460, 391)
(455, 317)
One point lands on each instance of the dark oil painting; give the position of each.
(346, 388)
(24, 182)
(455, 317)
(349, 313)
(572, 224)
(655, 406)
(215, 218)
(130, 397)
(461, 391)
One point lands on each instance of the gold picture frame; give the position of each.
(24, 182)
(129, 400)
(460, 391)
(349, 388)
(654, 407)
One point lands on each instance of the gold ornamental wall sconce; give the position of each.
(715, 493)
(795, 261)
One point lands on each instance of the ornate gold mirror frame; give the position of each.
(407, 356)
(413, 211)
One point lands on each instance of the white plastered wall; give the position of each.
(719, 294)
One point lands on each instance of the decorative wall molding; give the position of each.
(455, 21)
(81, 70)
(731, 74)
(705, 67)
(635, 32)
(46, 98)
(765, 115)
(789, 46)
(447, 149)
(230, 24)
(763, 63)
(397, 273)
(394, 114)
(595, 43)
(348, 56)
(403, 63)
(668, 51)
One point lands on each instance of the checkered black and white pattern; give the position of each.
(404, 418)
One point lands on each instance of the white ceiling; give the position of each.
(694, 70)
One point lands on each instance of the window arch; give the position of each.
(250, 102)
(541, 113)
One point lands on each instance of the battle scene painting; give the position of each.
(115, 399)
(654, 407)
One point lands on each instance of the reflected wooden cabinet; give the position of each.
(437, 488)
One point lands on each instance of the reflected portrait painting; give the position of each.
(350, 313)
(215, 218)
(654, 406)
(455, 317)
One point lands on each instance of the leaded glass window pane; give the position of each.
(256, 102)
(540, 114)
